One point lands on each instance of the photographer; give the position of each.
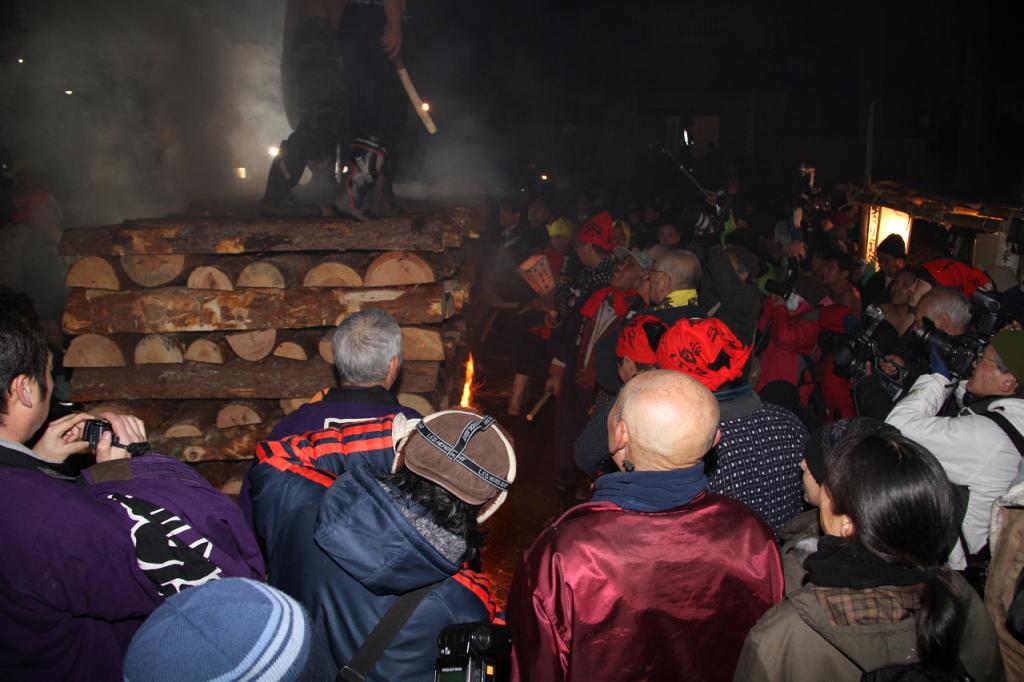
(944, 307)
(791, 327)
(89, 554)
(977, 446)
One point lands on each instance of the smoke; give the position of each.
(167, 100)
(171, 98)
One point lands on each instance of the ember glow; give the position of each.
(426, 106)
(467, 388)
(273, 151)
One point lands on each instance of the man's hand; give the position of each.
(554, 380)
(892, 364)
(127, 429)
(391, 39)
(63, 438)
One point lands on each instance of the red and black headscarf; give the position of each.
(635, 340)
(707, 350)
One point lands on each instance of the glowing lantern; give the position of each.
(882, 222)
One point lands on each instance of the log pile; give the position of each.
(212, 329)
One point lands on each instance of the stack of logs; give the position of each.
(212, 329)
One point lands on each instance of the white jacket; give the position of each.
(973, 450)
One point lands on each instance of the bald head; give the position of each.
(663, 420)
(682, 268)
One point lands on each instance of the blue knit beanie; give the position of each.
(227, 629)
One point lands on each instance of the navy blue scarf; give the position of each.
(651, 491)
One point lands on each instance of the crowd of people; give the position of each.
(773, 465)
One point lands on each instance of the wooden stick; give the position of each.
(540, 403)
(414, 97)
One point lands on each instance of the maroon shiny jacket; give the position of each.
(607, 593)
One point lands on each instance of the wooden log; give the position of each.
(215, 235)
(420, 343)
(153, 413)
(277, 272)
(159, 349)
(289, 405)
(456, 296)
(417, 402)
(232, 487)
(154, 270)
(336, 270)
(325, 347)
(190, 420)
(235, 443)
(177, 309)
(94, 272)
(219, 472)
(273, 378)
(405, 267)
(418, 377)
(217, 272)
(212, 349)
(300, 345)
(97, 350)
(254, 345)
(242, 413)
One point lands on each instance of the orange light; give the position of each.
(467, 388)
(425, 106)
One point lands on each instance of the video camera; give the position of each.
(470, 652)
(960, 352)
(783, 288)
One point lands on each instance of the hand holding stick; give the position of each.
(540, 403)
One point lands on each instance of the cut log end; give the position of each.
(253, 346)
(93, 272)
(289, 405)
(207, 350)
(153, 270)
(396, 268)
(238, 414)
(332, 274)
(210, 277)
(290, 350)
(159, 349)
(94, 350)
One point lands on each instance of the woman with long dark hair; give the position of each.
(879, 599)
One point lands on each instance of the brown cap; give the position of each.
(466, 453)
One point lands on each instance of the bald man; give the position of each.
(655, 578)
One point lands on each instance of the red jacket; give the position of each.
(792, 337)
(607, 593)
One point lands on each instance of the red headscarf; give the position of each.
(707, 350)
(599, 231)
(619, 301)
(952, 273)
(633, 342)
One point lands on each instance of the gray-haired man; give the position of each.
(368, 357)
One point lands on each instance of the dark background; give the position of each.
(171, 97)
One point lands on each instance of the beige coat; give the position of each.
(794, 641)
(1006, 539)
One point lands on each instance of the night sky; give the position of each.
(170, 97)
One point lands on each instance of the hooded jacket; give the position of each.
(346, 546)
(84, 563)
(795, 641)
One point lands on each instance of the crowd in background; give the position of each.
(775, 461)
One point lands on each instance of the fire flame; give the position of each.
(467, 388)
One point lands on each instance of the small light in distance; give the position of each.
(544, 178)
(425, 106)
(21, 60)
(69, 92)
(344, 169)
(273, 151)
(241, 173)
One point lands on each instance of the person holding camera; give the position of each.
(945, 309)
(88, 554)
(978, 447)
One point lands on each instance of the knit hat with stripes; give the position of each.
(229, 629)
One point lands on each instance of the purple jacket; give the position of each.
(84, 563)
(341, 404)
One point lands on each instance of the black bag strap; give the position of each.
(380, 639)
(1008, 428)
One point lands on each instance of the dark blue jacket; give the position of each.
(338, 541)
(341, 404)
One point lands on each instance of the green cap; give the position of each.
(1010, 346)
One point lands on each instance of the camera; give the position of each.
(862, 348)
(470, 652)
(960, 352)
(93, 430)
(782, 289)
